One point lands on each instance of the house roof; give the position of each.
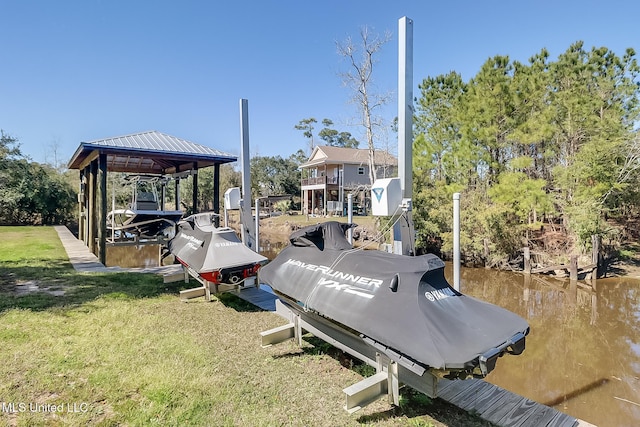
(325, 154)
(148, 152)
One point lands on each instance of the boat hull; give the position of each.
(142, 223)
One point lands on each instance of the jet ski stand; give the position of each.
(206, 289)
(391, 368)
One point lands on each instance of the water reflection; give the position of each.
(143, 256)
(583, 352)
(271, 245)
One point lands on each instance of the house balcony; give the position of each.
(321, 180)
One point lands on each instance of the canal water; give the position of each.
(583, 352)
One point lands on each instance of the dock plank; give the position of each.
(517, 416)
(443, 384)
(493, 401)
(470, 394)
(498, 412)
(541, 416)
(482, 400)
(479, 398)
(458, 387)
(563, 420)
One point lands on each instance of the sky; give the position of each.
(75, 71)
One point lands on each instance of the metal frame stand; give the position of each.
(391, 368)
(206, 290)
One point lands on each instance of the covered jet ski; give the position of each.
(213, 253)
(397, 302)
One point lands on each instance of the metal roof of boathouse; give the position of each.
(149, 152)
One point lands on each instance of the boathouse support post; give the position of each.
(82, 206)
(92, 228)
(194, 193)
(163, 195)
(177, 193)
(216, 194)
(102, 208)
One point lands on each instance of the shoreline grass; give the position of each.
(122, 349)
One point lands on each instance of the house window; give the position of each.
(361, 170)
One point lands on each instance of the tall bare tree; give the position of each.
(361, 56)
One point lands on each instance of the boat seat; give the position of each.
(146, 201)
(146, 206)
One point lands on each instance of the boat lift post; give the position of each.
(257, 202)
(248, 230)
(403, 232)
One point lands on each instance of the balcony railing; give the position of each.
(320, 180)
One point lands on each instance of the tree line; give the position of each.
(32, 193)
(544, 143)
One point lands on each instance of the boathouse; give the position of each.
(149, 152)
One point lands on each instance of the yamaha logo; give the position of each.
(439, 294)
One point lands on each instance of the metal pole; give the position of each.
(405, 106)
(257, 249)
(113, 209)
(350, 217)
(456, 241)
(248, 232)
(403, 233)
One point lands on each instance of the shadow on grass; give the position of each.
(238, 304)
(35, 288)
(319, 347)
(413, 404)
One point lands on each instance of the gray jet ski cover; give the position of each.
(402, 302)
(204, 247)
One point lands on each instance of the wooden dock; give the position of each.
(83, 260)
(490, 402)
(258, 296)
(501, 407)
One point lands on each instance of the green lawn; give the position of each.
(121, 349)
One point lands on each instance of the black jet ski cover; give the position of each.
(401, 302)
(205, 248)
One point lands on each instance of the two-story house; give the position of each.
(331, 173)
